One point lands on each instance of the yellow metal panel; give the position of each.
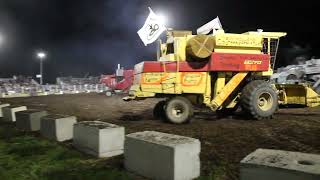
(174, 82)
(313, 98)
(238, 40)
(220, 83)
(135, 91)
(291, 94)
(298, 94)
(180, 44)
(167, 57)
(144, 94)
(227, 90)
(159, 82)
(264, 73)
(193, 82)
(267, 34)
(163, 49)
(179, 33)
(233, 103)
(238, 50)
(207, 94)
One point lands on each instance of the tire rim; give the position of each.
(178, 110)
(265, 101)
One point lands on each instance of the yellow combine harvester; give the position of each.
(221, 71)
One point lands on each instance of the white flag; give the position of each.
(152, 28)
(212, 25)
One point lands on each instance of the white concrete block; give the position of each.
(266, 164)
(2, 106)
(162, 156)
(98, 138)
(57, 127)
(29, 120)
(9, 112)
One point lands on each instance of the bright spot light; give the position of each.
(41, 55)
(162, 19)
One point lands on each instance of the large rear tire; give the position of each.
(259, 99)
(178, 110)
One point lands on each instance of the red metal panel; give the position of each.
(171, 66)
(218, 62)
(239, 62)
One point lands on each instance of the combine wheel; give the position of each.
(158, 111)
(178, 110)
(259, 99)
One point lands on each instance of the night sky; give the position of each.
(89, 37)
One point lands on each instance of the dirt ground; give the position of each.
(224, 141)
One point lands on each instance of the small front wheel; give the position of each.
(178, 110)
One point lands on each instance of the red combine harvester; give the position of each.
(121, 81)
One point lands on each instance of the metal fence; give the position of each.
(25, 86)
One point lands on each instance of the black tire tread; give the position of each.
(247, 98)
(191, 111)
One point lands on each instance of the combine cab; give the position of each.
(221, 71)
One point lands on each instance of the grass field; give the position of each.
(28, 156)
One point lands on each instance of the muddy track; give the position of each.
(224, 141)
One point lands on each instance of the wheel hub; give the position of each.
(265, 101)
(178, 111)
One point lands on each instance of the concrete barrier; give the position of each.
(98, 138)
(57, 127)
(2, 106)
(162, 156)
(29, 120)
(9, 112)
(266, 164)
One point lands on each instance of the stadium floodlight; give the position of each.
(41, 55)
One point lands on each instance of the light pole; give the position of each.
(1, 39)
(41, 56)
